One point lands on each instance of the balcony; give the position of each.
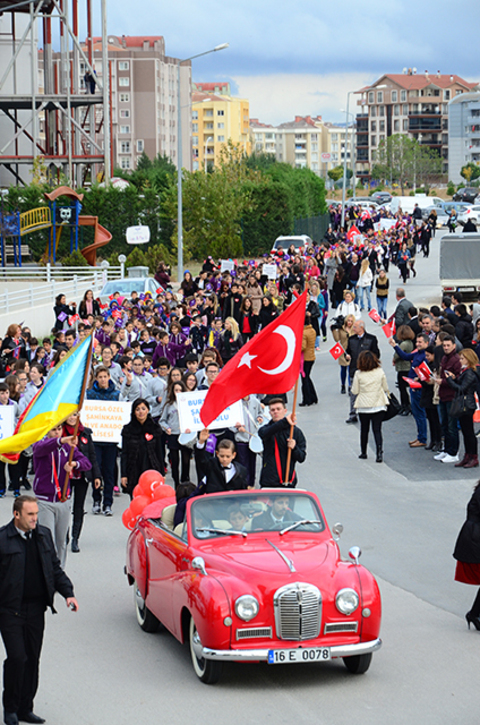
(362, 141)
(362, 154)
(416, 124)
(426, 110)
(362, 123)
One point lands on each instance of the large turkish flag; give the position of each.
(268, 363)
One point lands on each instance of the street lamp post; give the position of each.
(179, 158)
(342, 223)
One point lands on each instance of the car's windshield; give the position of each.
(285, 243)
(215, 516)
(124, 286)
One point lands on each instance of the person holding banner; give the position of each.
(221, 472)
(170, 424)
(276, 442)
(51, 463)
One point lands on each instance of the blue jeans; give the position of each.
(449, 428)
(362, 292)
(382, 307)
(419, 414)
(106, 454)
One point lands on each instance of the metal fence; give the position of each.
(314, 226)
(51, 273)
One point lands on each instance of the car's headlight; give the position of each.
(347, 601)
(246, 607)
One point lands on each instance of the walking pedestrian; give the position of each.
(467, 554)
(309, 394)
(371, 390)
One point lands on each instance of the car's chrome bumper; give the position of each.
(256, 655)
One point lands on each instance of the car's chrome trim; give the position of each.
(334, 627)
(258, 655)
(253, 632)
(285, 558)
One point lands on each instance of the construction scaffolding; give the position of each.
(69, 100)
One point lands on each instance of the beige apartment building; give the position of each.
(412, 103)
(144, 99)
(217, 117)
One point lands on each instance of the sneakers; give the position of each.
(116, 491)
(449, 459)
(107, 511)
(440, 456)
(96, 509)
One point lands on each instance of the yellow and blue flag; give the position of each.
(59, 398)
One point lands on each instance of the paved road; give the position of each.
(99, 667)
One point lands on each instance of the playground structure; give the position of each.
(56, 217)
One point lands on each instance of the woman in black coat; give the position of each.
(141, 446)
(465, 384)
(467, 554)
(230, 340)
(62, 311)
(88, 306)
(268, 311)
(80, 485)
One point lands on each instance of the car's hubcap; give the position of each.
(139, 601)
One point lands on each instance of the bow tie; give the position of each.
(227, 468)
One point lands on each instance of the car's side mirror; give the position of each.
(337, 531)
(355, 553)
(199, 563)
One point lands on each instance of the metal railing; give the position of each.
(50, 273)
(33, 219)
(43, 294)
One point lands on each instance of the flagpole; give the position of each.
(289, 451)
(80, 404)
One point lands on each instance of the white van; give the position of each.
(407, 203)
(284, 242)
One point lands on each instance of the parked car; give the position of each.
(300, 241)
(443, 210)
(468, 193)
(272, 587)
(127, 286)
(471, 213)
(382, 197)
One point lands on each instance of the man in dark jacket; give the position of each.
(357, 343)
(276, 442)
(402, 308)
(30, 574)
(450, 363)
(221, 471)
(464, 326)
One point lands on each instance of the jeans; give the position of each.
(419, 414)
(344, 369)
(106, 454)
(449, 428)
(382, 306)
(364, 291)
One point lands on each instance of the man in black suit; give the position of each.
(221, 472)
(30, 574)
(357, 343)
(413, 321)
(277, 516)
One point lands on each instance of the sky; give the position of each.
(297, 58)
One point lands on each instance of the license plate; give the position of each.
(466, 289)
(290, 656)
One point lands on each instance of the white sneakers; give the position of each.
(440, 456)
(450, 459)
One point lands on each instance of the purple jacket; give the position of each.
(47, 453)
(164, 351)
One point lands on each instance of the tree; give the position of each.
(336, 173)
(402, 159)
(470, 172)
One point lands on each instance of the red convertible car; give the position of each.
(253, 576)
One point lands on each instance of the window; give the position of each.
(140, 146)
(195, 140)
(334, 137)
(123, 65)
(405, 110)
(373, 111)
(125, 162)
(208, 126)
(334, 146)
(446, 95)
(403, 95)
(373, 126)
(220, 113)
(124, 97)
(394, 96)
(195, 166)
(125, 147)
(405, 124)
(373, 140)
(220, 125)
(195, 115)
(125, 113)
(458, 92)
(379, 96)
(208, 112)
(314, 146)
(371, 97)
(381, 110)
(313, 136)
(220, 139)
(314, 157)
(124, 81)
(396, 126)
(381, 126)
(124, 129)
(381, 138)
(194, 127)
(396, 110)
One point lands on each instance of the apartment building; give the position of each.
(412, 103)
(144, 99)
(216, 119)
(464, 133)
(302, 142)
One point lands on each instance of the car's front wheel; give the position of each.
(207, 671)
(147, 621)
(358, 664)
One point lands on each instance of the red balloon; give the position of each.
(149, 477)
(162, 492)
(138, 504)
(128, 519)
(137, 491)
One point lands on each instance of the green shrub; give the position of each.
(451, 188)
(75, 259)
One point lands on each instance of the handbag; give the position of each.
(459, 406)
(393, 407)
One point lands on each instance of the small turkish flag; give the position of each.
(414, 384)
(336, 351)
(373, 314)
(269, 363)
(389, 328)
(354, 231)
(423, 371)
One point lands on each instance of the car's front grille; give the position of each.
(298, 611)
(334, 627)
(253, 632)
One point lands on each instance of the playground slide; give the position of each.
(102, 237)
